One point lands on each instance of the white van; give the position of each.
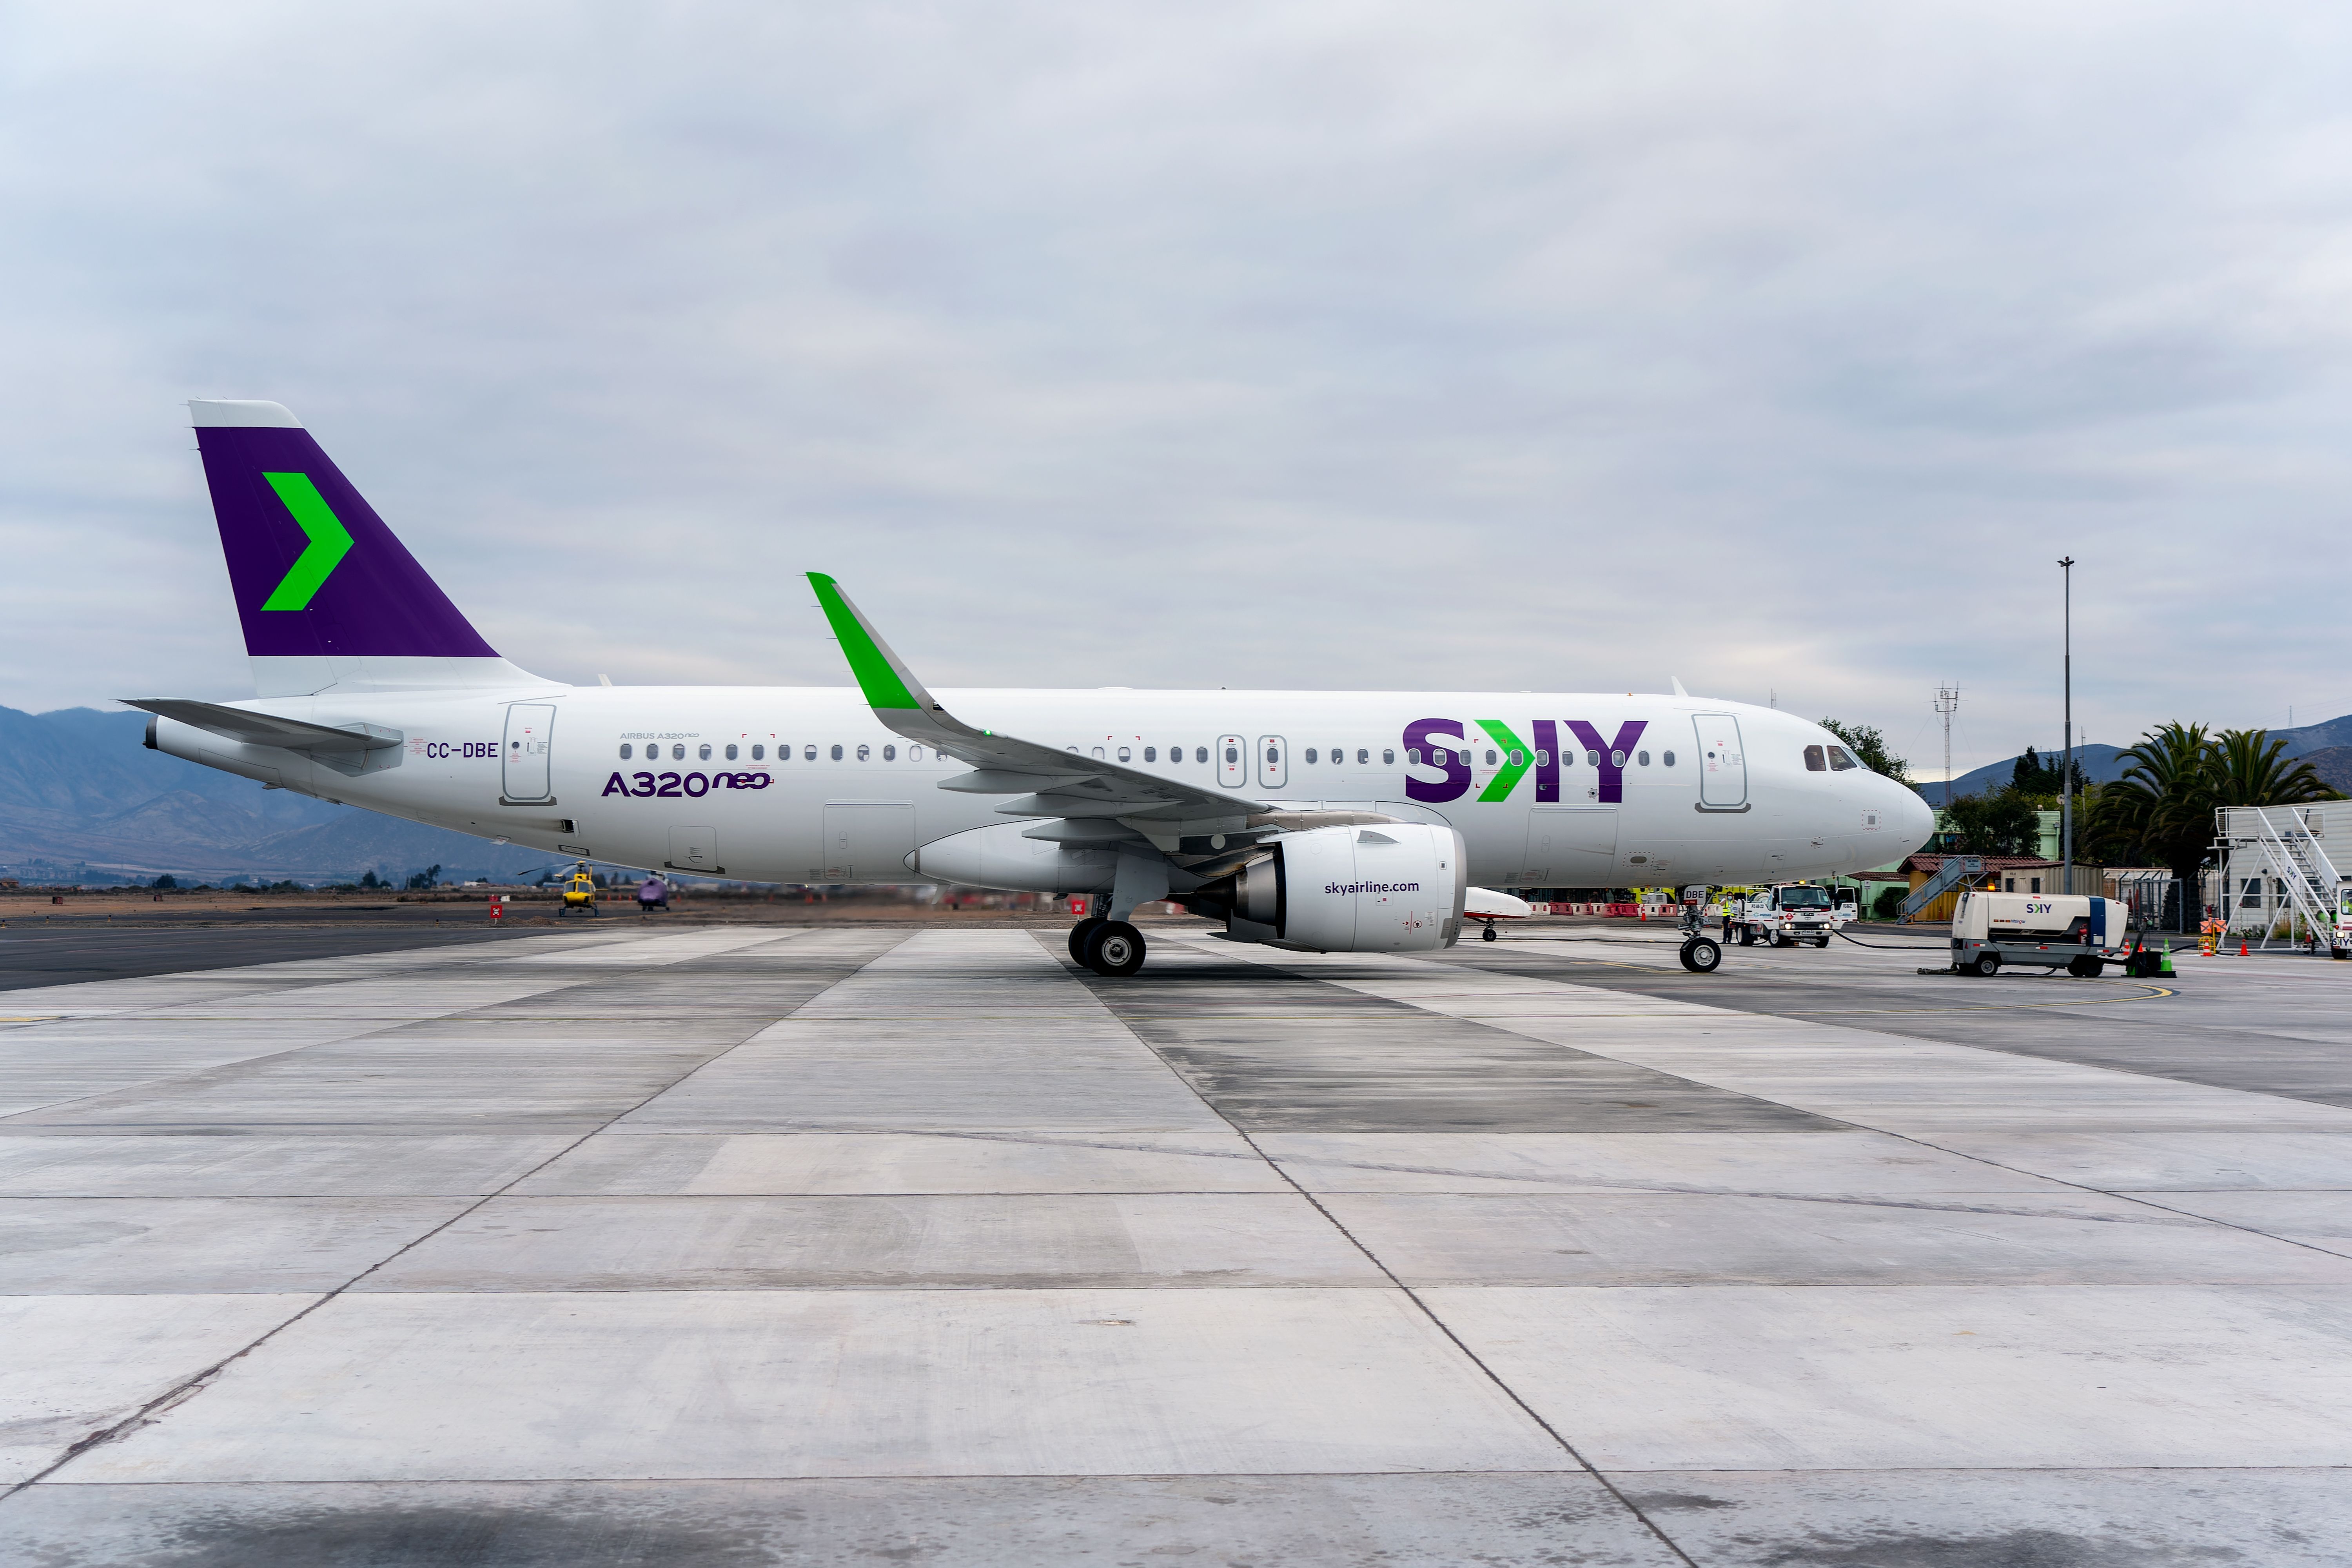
(2052, 930)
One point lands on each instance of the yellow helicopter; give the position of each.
(580, 891)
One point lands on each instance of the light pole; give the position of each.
(2066, 777)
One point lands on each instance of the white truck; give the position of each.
(1787, 914)
(2050, 931)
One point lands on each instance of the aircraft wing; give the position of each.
(1047, 781)
(265, 728)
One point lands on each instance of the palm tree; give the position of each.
(2163, 805)
(2248, 770)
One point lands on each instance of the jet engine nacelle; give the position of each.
(1395, 888)
(998, 855)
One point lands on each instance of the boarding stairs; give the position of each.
(2276, 842)
(1954, 870)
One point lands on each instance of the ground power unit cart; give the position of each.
(2080, 935)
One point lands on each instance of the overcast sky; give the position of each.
(1566, 346)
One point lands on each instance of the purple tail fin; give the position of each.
(316, 572)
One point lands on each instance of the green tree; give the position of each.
(1999, 824)
(2248, 768)
(2162, 810)
(1869, 749)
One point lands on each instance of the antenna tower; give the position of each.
(1948, 702)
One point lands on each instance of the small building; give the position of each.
(2002, 874)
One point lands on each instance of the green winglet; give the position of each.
(879, 676)
(329, 542)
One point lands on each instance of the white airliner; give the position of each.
(1333, 821)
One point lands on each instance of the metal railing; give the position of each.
(2280, 845)
(1954, 870)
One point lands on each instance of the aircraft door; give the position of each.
(1722, 765)
(867, 840)
(527, 757)
(695, 849)
(1273, 762)
(1571, 846)
(1233, 762)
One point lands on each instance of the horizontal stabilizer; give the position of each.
(265, 728)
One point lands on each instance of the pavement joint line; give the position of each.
(2127, 1197)
(190, 1387)
(1409, 1293)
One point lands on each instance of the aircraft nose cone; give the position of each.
(1915, 819)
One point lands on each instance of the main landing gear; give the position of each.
(1111, 948)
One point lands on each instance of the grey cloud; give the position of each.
(1780, 348)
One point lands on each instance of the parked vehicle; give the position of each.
(2078, 934)
(1786, 915)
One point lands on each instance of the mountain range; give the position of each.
(2327, 747)
(83, 800)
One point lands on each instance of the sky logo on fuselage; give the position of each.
(1442, 744)
(329, 541)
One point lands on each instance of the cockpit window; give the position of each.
(1804, 898)
(1814, 763)
(1840, 761)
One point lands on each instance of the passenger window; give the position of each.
(1616, 759)
(1841, 760)
(1200, 753)
(1412, 755)
(730, 750)
(914, 753)
(1440, 756)
(1310, 754)
(889, 754)
(625, 752)
(1098, 753)
(836, 753)
(1543, 759)
(1388, 757)
(1592, 759)
(1490, 757)
(1814, 762)
(1233, 753)
(703, 751)
(677, 753)
(1643, 758)
(758, 751)
(1363, 756)
(864, 753)
(808, 754)
(1339, 753)
(1518, 758)
(1152, 753)
(1124, 753)
(1667, 758)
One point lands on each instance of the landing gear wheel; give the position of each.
(1702, 956)
(1489, 935)
(1078, 935)
(1985, 965)
(1114, 948)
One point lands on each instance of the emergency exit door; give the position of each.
(527, 757)
(1722, 765)
(1273, 762)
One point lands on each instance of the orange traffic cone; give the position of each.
(2242, 947)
